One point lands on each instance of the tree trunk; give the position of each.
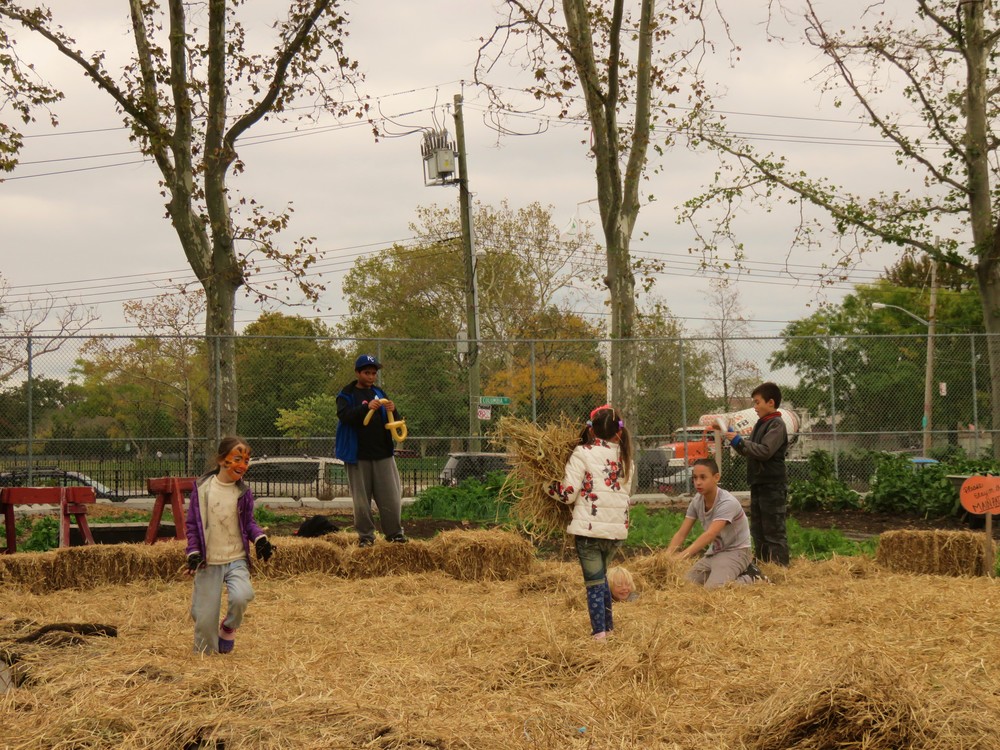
(220, 297)
(624, 358)
(984, 235)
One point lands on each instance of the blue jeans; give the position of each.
(595, 556)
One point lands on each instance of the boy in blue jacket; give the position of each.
(367, 452)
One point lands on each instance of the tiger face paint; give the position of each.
(234, 465)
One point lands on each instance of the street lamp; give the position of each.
(929, 370)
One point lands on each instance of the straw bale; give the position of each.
(483, 554)
(389, 558)
(538, 456)
(340, 538)
(950, 553)
(294, 556)
(92, 565)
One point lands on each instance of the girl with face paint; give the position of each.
(220, 527)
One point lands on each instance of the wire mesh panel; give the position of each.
(119, 410)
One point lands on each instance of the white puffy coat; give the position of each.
(595, 486)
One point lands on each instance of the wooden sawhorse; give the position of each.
(172, 490)
(72, 502)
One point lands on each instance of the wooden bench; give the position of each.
(172, 490)
(72, 502)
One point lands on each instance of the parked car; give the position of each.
(676, 483)
(473, 465)
(651, 463)
(296, 477)
(51, 476)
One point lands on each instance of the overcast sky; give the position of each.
(82, 229)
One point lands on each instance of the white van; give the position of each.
(297, 476)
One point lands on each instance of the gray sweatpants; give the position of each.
(206, 602)
(719, 569)
(378, 481)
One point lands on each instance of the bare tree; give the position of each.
(727, 325)
(31, 327)
(189, 66)
(937, 58)
(167, 360)
(599, 49)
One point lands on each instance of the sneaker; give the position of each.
(365, 542)
(398, 539)
(226, 643)
(753, 573)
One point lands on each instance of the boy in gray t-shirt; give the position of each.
(726, 535)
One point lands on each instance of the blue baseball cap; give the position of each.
(366, 360)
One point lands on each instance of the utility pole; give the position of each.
(471, 287)
(929, 374)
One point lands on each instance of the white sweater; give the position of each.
(594, 485)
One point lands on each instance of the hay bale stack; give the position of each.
(949, 553)
(483, 555)
(866, 702)
(294, 556)
(389, 558)
(467, 555)
(538, 457)
(93, 565)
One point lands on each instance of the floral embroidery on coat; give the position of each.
(611, 474)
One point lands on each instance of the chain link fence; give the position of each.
(120, 410)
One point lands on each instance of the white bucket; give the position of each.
(743, 421)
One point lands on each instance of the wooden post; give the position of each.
(173, 488)
(71, 504)
(988, 541)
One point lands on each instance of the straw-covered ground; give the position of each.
(494, 654)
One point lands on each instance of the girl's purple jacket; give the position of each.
(249, 528)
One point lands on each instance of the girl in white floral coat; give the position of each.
(596, 484)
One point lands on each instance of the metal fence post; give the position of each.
(31, 426)
(975, 398)
(684, 410)
(833, 405)
(218, 389)
(534, 387)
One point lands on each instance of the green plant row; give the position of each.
(897, 486)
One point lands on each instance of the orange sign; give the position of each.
(981, 494)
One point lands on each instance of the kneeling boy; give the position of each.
(726, 535)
